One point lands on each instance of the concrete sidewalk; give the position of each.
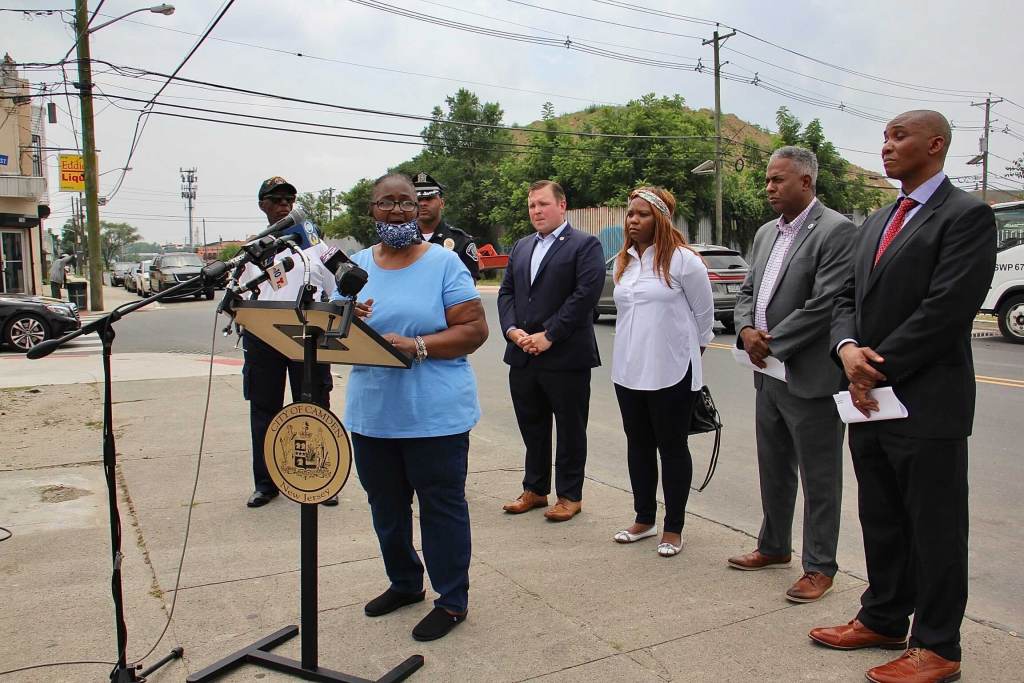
(548, 602)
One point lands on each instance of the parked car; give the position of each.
(726, 270)
(168, 270)
(129, 278)
(26, 319)
(1005, 297)
(141, 278)
(118, 272)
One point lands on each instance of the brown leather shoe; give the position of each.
(917, 665)
(810, 587)
(563, 510)
(527, 500)
(755, 560)
(854, 636)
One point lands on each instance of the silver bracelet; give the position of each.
(421, 349)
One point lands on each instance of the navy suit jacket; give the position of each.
(560, 301)
(917, 306)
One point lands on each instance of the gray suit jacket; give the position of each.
(799, 312)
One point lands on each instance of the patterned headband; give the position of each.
(652, 199)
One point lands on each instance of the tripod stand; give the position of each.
(104, 328)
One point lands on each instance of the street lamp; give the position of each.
(92, 218)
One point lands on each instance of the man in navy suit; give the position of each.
(921, 268)
(546, 304)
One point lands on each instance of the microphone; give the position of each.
(254, 250)
(349, 277)
(287, 263)
(296, 215)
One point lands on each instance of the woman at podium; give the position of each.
(410, 427)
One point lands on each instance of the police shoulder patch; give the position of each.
(311, 234)
(471, 251)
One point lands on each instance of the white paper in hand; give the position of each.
(773, 366)
(889, 407)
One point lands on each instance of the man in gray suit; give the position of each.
(784, 310)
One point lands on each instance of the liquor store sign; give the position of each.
(72, 173)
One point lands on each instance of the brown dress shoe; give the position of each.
(854, 636)
(527, 500)
(755, 560)
(917, 665)
(810, 587)
(563, 510)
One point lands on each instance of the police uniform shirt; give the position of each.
(320, 277)
(459, 241)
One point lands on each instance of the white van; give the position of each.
(1006, 295)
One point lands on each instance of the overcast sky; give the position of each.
(949, 52)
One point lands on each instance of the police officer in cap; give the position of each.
(434, 228)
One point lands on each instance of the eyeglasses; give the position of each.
(279, 199)
(389, 205)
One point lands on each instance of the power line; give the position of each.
(140, 123)
(752, 36)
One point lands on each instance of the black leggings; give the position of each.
(658, 422)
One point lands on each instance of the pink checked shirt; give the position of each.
(784, 240)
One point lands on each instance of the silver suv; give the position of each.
(726, 270)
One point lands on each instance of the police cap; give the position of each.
(426, 186)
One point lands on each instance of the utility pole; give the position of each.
(92, 180)
(984, 144)
(188, 193)
(330, 203)
(716, 42)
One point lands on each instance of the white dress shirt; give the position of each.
(660, 329)
(544, 243)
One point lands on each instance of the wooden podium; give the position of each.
(313, 333)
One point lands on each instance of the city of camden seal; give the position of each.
(307, 452)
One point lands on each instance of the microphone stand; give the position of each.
(104, 327)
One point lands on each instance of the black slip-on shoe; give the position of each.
(437, 624)
(390, 600)
(260, 498)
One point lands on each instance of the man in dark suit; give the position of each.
(546, 305)
(784, 310)
(903, 319)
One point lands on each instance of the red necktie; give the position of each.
(895, 226)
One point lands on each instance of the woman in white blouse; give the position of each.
(664, 313)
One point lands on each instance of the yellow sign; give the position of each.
(307, 453)
(72, 173)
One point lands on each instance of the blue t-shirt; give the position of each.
(433, 398)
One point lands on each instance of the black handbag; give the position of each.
(705, 418)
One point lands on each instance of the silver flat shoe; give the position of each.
(625, 537)
(669, 550)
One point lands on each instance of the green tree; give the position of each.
(355, 220)
(465, 159)
(228, 252)
(115, 237)
(320, 207)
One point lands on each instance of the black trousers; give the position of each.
(912, 495)
(659, 422)
(55, 290)
(434, 468)
(263, 375)
(537, 396)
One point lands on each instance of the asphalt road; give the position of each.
(996, 470)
